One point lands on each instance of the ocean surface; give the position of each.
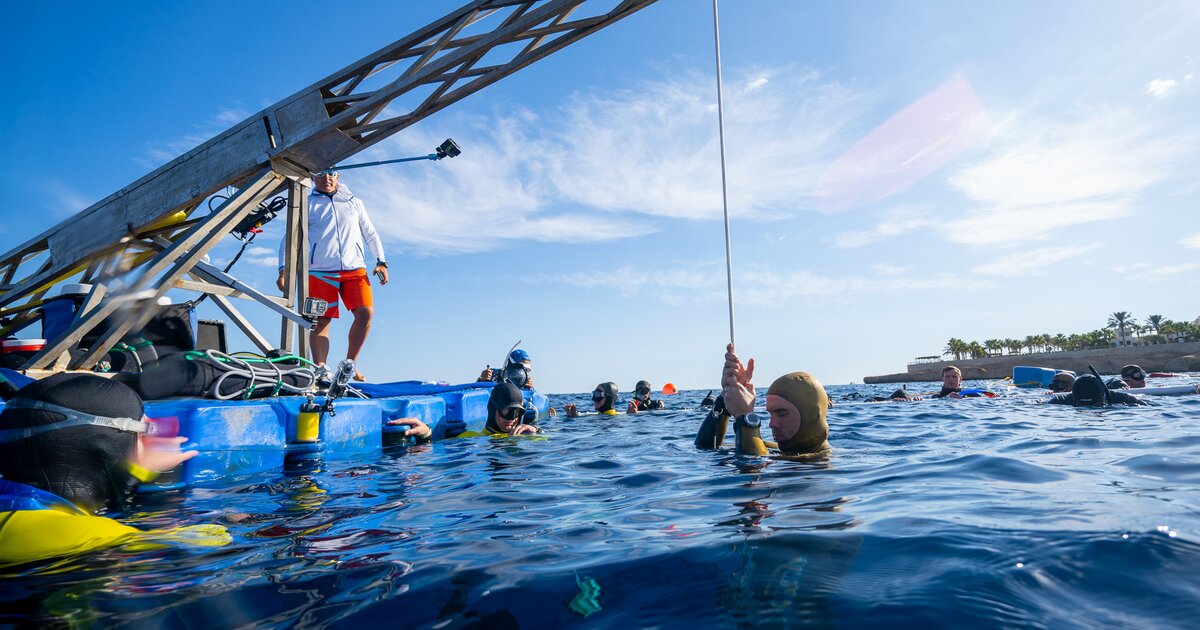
(994, 512)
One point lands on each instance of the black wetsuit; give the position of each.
(1116, 397)
(649, 405)
(946, 392)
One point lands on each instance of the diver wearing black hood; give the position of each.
(604, 399)
(69, 448)
(641, 399)
(506, 409)
(1089, 391)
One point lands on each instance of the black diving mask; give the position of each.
(598, 395)
(73, 419)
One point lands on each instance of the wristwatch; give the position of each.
(380, 263)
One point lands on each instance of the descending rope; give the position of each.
(724, 184)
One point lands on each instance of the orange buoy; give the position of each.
(669, 389)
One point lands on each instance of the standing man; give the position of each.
(338, 225)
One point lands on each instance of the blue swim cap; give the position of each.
(518, 355)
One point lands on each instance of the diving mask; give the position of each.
(73, 419)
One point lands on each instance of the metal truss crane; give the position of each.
(147, 238)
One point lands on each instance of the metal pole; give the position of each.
(346, 167)
(724, 184)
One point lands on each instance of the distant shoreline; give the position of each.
(1162, 357)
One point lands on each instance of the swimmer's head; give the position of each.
(951, 377)
(1062, 381)
(797, 403)
(507, 403)
(520, 356)
(85, 462)
(1089, 391)
(641, 391)
(1133, 375)
(604, 397)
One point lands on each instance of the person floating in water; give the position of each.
(708, 400)
(604, 400)
(1062, 382)
(952, 386)
(796, 402)
(1089, 391)
(1132, 377)
(71, 446)
(506, 409)
(517, 366)
(641, 399)
(899, 394)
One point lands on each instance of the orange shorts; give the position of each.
(353, 287)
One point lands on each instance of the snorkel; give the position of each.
(1107, 393)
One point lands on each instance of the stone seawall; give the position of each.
(1163, 357)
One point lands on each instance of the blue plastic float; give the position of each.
(259, 436)
(1024, 376)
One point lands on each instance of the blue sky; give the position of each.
(900, 174)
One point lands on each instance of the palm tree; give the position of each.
(1121, 321)
(1060, 342)
(956, 347)
(1031, 342)
(1014, 345)
(993, 346)
(976, 350)
(1154, 321)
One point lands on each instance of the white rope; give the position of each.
(724, 184)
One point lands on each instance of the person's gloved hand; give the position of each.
(486, 376)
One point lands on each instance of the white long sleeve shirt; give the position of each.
(337, 228)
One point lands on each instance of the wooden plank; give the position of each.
(180, 257)
(300, 273)
(219, 277)
(242, 323)
(220, 289)
(291, 249)
(90, 302)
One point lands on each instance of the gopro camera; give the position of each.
(313, 308)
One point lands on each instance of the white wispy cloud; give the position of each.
(754, 285)
(261, 256)
(160, 153)
(1191, 240)
(1041, 176)
(895, 222)
(63, 200)
(889, 269)
(1161, 88)
(611, 165)
(1033, 262)
(1163, 272)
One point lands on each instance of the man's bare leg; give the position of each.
(358, 336)
(318, 340)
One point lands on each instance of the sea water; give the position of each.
(978, 512)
